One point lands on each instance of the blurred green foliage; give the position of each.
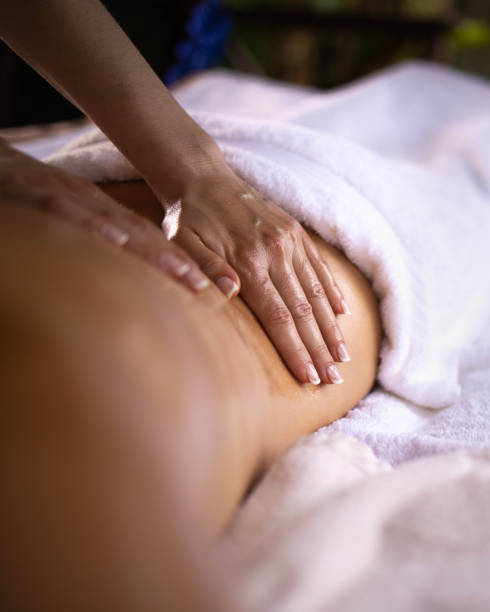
(470, 33)
(415, 7)
(330, 56)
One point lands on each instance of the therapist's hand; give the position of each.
(24, 181)
(247, 244)
(224, 223)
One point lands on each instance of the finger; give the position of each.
(332, 290)
(68, 208)
(126, 229)
(284, 278)
(321, 308)
(264, 300)
(214, 266)
(148, 242)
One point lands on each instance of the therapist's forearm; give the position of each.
(83, 52)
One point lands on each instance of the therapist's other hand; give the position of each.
(247, 244)
(24, 181)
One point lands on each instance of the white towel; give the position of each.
(333, 529)
(399, 431)
(417, 228)
(400, 160)
(423, 114)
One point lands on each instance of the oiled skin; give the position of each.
(135, 415)
(292, 409)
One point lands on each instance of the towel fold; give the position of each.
(333, 529)
(418, 231)
(395, 170)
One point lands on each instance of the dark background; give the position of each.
(155, 26)
(323, 43)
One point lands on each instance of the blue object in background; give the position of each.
(208, 28)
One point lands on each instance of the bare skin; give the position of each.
(136, 415)
(241, 241)
(289, 398)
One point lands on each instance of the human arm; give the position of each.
(81, 50)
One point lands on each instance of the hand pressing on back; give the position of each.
(274, 265)
(240, 240)
(26, 182)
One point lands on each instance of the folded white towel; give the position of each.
(419, 232)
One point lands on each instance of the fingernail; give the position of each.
(342, 353)
(345, 307)
(334, 375)
(312, 374)
(197, 280)
(169, 262)
(202, 284)
(227, 286)
(114, 234)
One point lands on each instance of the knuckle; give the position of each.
(279, 315)
(315, 291)
(292, 226)
(273, 239)
(258, 284)
(282, 237)
(249, 262)
(302, 311)
(262, 282)
(245, 250)
(320, 350)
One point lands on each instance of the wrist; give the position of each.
(197, 162)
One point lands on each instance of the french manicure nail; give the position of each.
(197, 280)
(334, 375)
(227, 286)
(173, 264)
(345, 307)
(342, 353)
(312, 374)
(114, 234)
(201, 284)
